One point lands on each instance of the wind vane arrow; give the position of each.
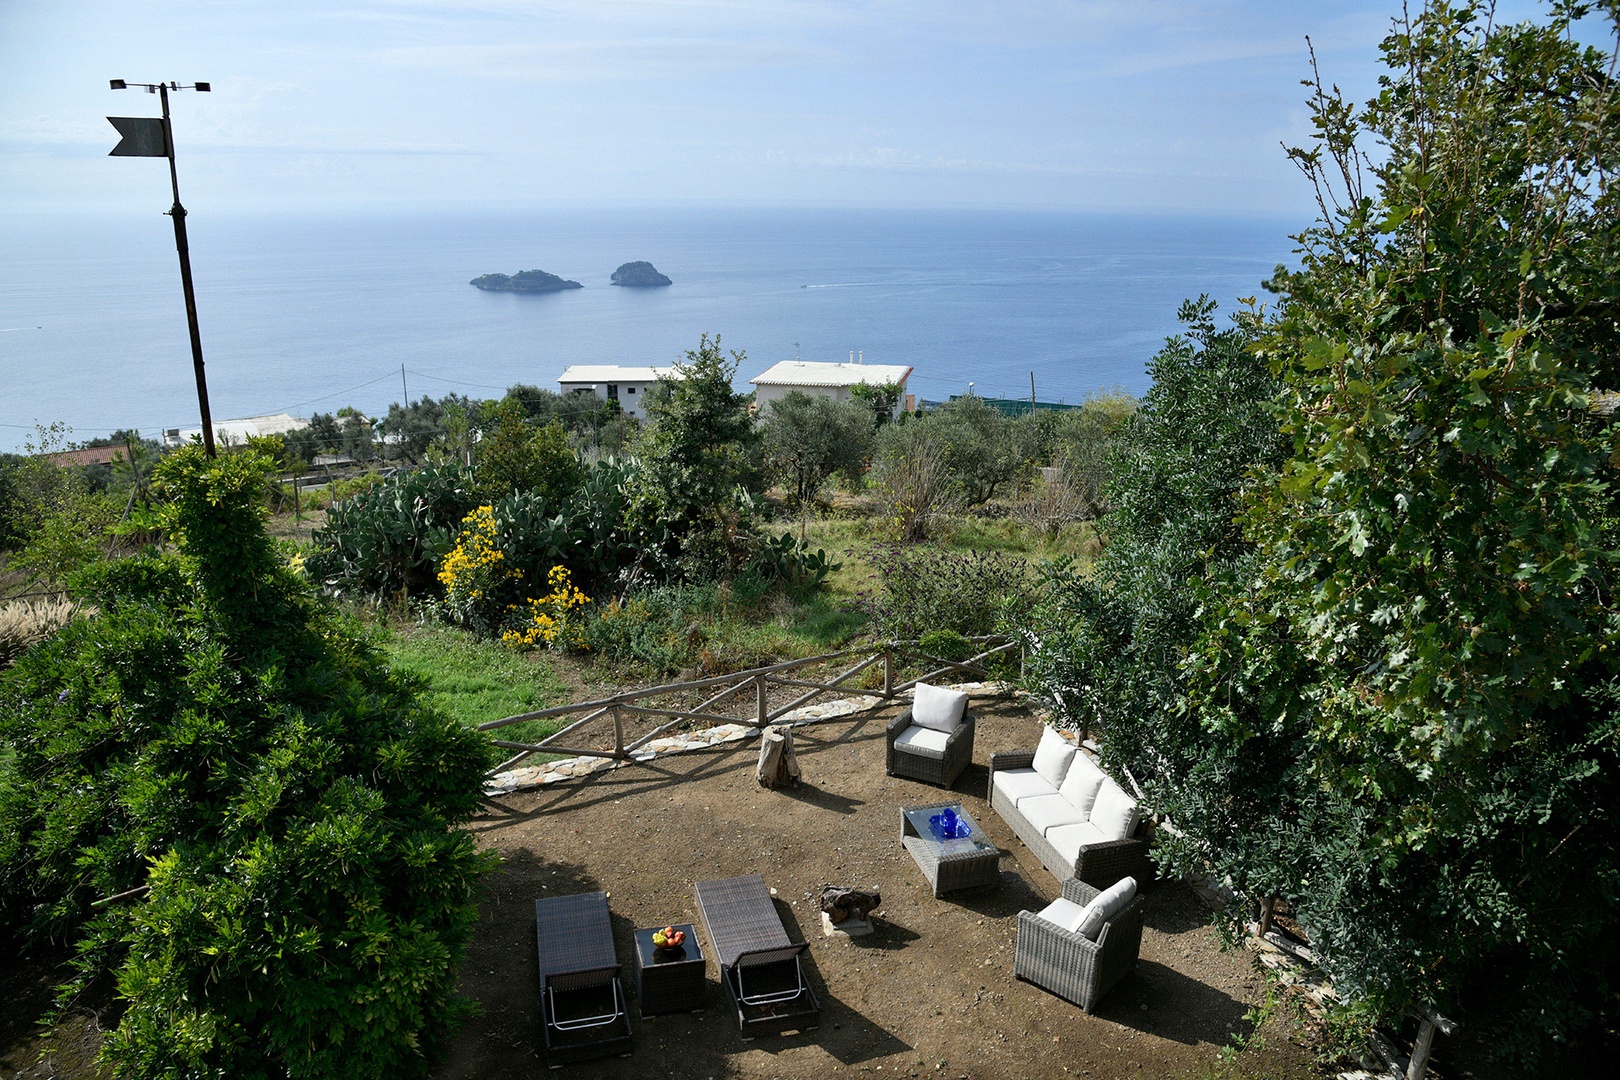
(139, 136)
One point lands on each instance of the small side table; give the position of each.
(669, 982)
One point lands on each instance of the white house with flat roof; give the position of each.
(825, 380)
(238, 431)
(614, 382)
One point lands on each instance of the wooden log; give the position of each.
(778, 767)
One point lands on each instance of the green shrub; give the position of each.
(387, 539)
(290, 805)
(791, 561)
(923, 589)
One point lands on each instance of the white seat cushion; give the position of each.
(1017, 785)
(1080, 787)
(1062, 912)
(1114, 812)
(1105, 906)
(1052, 757)
(923, 741)
(1069, 839)
(1047, 811)
(938, 708)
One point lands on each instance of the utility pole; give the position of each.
(404, 389)
(139, 138)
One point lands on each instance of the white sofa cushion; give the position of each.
(1105, 906)
(1062, 912)
(1043, 812)
(1114, 812)
(1082, 783)
(1016, 785)
(923, 741)
(938, 708)
(1067, 840)
(1052, 757)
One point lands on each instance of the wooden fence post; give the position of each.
(888, 672)
(618, 733)
(759, 700)
(1418, 1066)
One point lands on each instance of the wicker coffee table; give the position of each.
(965, 860)
(668, 982)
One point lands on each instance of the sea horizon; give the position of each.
(305, 313)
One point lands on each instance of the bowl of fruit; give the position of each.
(670, 941)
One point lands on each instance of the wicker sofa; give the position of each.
(1058, 951)
(1080, 824)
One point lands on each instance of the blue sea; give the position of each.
(305, 315)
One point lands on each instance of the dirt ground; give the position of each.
(930, 992)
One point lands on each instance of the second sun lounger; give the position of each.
(758, 963)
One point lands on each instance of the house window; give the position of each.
(613, 391)
(630, 390)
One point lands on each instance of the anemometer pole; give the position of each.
(143, 136)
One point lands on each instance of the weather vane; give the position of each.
(149, 136)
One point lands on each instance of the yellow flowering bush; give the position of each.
(548, 619)
(486, 591)
(475, 573)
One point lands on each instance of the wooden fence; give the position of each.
(748, 694)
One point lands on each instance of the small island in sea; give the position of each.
(639, 275)
(533, 281)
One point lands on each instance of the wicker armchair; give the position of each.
(1071, 965)
(925, 765)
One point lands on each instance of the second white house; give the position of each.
(626, 385)
(826, 380)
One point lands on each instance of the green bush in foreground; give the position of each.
(291, 807)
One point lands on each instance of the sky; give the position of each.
(403, 105)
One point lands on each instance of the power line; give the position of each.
(456, 382)
(340, 393)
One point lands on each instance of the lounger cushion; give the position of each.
(923, 741)
(1115, 812)
(1062, 912)
(1046, 811)
(1017, 785)
(1067, 840)
(938, 708)
(1080, 787)
(1052, 757)
(1105, 906)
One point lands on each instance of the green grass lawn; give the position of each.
(478, 681)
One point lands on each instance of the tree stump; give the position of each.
(777, 765)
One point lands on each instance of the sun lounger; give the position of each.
(758, 964)
(580, 996)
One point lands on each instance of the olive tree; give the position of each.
(808, 438)
(1427, 639)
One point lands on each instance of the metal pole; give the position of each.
(178, 213)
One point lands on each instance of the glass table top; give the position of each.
(950, 827)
